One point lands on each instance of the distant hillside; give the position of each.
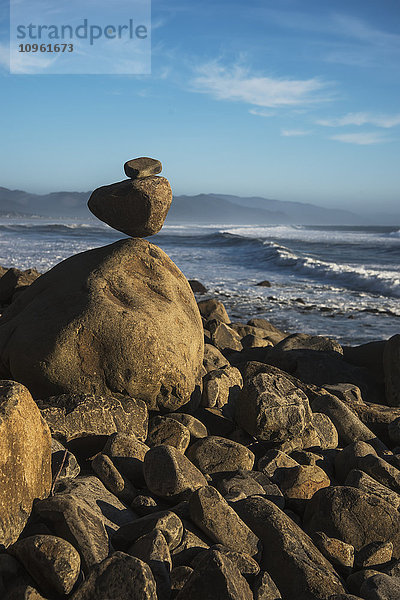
(203, 208)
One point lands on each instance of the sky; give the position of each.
(291, 99)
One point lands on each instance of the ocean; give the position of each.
(343, 282)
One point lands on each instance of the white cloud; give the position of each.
(259, 112)
(4, 56)
(294, 132)
(361, 139)
(362, 118)
(238, 84)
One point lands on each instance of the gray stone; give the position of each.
(118, 577)
(152, 549)
(14, 281)
(53, 562)
(169, 474)
(264, 588)
(179, 577)
(294, 563)
(247, 566)
(374, 555)
(213, 358)
(167, 522)
(274, 460)
(216, 454)
(224, 337)
(63, 462)
(365, 483)
(326, 431)
(138, 168)
(353, 516)
(347, 459)
(381, 471)
(213, 515)
(213, 309)
(221, 387)
(127, 453)
(271, 408)
(271, 332)
(163, 430)
(391, 365)
(216, 577)
(116, 483)
(381, 587)
(196, 428)
(339, 554)
(300, 341)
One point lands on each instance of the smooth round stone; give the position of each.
(137, 207)
(138, 168)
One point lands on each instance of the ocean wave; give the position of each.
(36, 228)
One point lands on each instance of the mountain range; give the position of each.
(202, 208)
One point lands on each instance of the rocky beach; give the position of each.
(153, 446)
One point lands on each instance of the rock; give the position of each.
(53, 563)
(118, 577)
(264, 283)
(354, 516)
(239, 486)
(196, 428)
(271, 408)
(197, 287)
(326, 431)
(339, 554)
(178, 577)
(224, 337)
(213, 309)
(14, 281)
(107, 472)
(167, 522)
(63, 462)
(381, 471)
(127, 454)
(25, 459)
(299, 484)
(221, 387)
(264, 588)
(171, 475)
(82, 421)
(86, 514)
(271, 332)
(216, 454)
(294, 563)
(216, 577)
(381, 587)
(247, 566)
(394, 431)
(347, 459)
(369, 356)
(365, 483)
(145, 505)
(348, 425)
(137, 168)
(120, 318)
(374, 555)
(136, 207)
(163, 430)
(300, 341)
(254, 341)
(215, 422)
(213, 358)
(355, 580)
(152, 549)
(273, 460)
(24, 592)
(391, 365)
(213, 515)
(193, 542)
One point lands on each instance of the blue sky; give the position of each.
(294, 100)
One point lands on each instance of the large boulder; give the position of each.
(391, 365)
(120, 318)
(25, 459)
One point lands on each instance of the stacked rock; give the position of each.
(136, 206)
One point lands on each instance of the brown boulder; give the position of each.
(120, 318)
(25, 459)
(136, 207)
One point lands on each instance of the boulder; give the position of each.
(25, 459)
(213, 358)
(221, 387)
(163, 430)
(271, 408)
(167, 522)
(300, 483)
(348, 458)
(127, 454)
(365, 483)
(381, 587)
(136, 207)
(116, 483)
(247, 566)
(294, 563)
(223, 337)
(216, 576)
(118, 577)
(120, 318)
(179, 576)
(53, 562)
(83, 421)
(353, 516)
(197, 287)
(152, 548)
(391, 365)
(213, 309)
(264, 588)
(213, 515)
(215, 454)
(63, 463)
(339, 554)
(303, 341)
(137, 168)
(169, 474)
(270, 332)
(374, 555)
(196, 428)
